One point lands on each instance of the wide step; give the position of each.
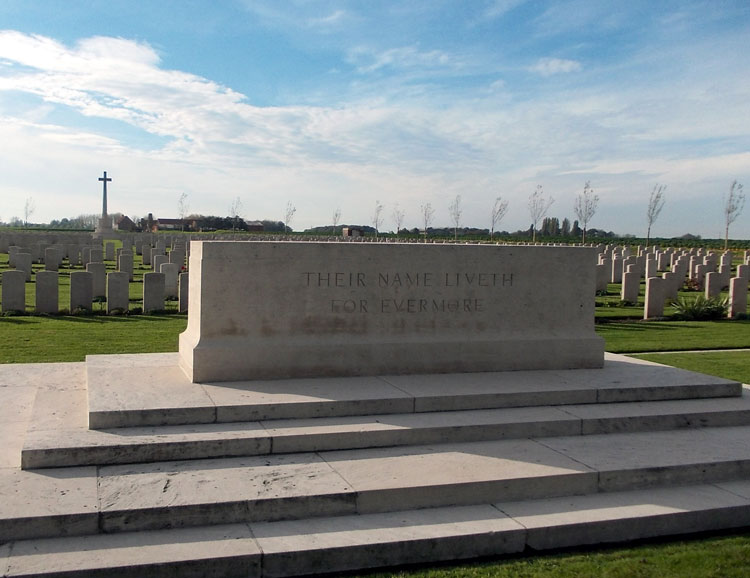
(55, 448)
(359, 542)
(162, 394)
(297, 486)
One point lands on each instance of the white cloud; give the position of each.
(410, 148)
(552, 66)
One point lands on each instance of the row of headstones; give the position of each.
(86, 286)
(22, 258)
(707, 270)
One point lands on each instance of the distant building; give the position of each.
(169, 225)
(254, 226)
(351, 232)
(124, 223)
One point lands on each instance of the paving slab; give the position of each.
(420, 428)
(624, 516)
(377, 540)
(13, 436)
(59, 409)
(174, 494)
(216, 551)
(64, 376)
(16, 403)
(163, 395)
(637, 460)
(661, 415)
(81, 446)
(626, 377)
(306, 398)
(53, 502)
(738, 487)
(457, 474)
(447, 392)
(5, 557)
(154, 394)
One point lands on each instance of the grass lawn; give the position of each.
(36, 339)
(728, 364)
(642, 336)
(717, 557)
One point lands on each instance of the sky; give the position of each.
(340, 105)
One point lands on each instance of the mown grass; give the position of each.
(717, 557)
(644, 336)
(33, 339)
(728, 364)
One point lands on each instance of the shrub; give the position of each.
(701, 309)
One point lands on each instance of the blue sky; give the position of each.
(333, 104)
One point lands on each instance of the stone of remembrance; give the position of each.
(261, 310)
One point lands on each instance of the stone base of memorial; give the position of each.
(264, 310)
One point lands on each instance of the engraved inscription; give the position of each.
(422, 281)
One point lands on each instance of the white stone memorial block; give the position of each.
(737, 297)
(13, 250)
(153, 292)
(602, 277)
(47, 295)
(96, 255)
(13, 296)
(98, 279)
(282, 310)
(51, 259)
(81, 290)
(651, 267)
(109, 251)
(118, 297)
(700, 275)
(713, 284)
(744, 272)
(177, 256)
(631, 285)
(171, 272)
(655, 297)
(158, 260)
(125, 264)
(184, 285)
(617, 269)
(146, 260)
(23, 263)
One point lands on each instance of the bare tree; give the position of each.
(288, 216)
(655, 205)
(377, 217)
(539, 204)
(585, 206)
(498, 212)
(398, 217)
(28, 210)
(234, 211)
(336, 219)
(455, 211)
(427, 213)
(183, 207)
(734, 202)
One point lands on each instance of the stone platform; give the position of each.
(121, 466)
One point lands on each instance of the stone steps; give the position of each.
(356, 542)
(80, 446)
(162, 495)
(150, 390)
(359, 473)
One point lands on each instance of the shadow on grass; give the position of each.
(638, 326)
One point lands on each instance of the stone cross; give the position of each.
(104, 181)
